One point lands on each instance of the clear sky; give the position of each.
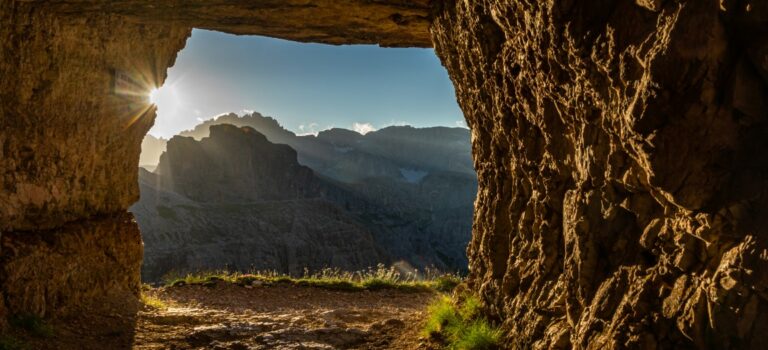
(306, 87)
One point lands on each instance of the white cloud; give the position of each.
(462, 124)
(363, 128)
(310, 129)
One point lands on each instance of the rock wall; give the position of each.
(70, 146)
(68, 154)
(619, 147)
(382, 22)
(81, 265)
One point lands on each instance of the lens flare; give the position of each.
(154, 95)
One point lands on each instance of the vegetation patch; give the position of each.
(377, 278)
(152, 301)
(458, 325)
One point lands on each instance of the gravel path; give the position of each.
(227, 316)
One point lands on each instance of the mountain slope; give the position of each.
(238, 202)
(412, 189)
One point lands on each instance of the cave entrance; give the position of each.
(277, 155)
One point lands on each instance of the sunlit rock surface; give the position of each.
(620, 153)
(68, 155)
(383, 22)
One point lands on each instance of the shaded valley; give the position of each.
(242, 193)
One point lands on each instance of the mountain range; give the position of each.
(241, 192)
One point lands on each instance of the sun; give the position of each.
(154, 96)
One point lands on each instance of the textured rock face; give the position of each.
(68, 154)
(83, 264)
(69, 146)
(622, 193)
(383, 22)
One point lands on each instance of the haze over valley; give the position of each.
(243, 193)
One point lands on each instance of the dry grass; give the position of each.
(377, 278)
(152, 301)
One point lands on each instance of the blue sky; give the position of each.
(306, 87)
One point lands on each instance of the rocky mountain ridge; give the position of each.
(235, 200)
(348, 156)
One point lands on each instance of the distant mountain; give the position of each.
(411, 189)
(234, 165)
(236, 201)
(396, 151)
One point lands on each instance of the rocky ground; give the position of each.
(228, 316)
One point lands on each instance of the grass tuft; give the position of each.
(479, 335)
(459, 326)
(447, 282)
(377, 278)
(442, 317)
(153, 302)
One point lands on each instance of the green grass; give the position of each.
(152, 301)
(377, 278)
(460, 326)
(32, 324)
(446, 282)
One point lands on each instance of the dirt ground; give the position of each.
(228, 316)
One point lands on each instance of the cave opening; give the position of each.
(274, 155)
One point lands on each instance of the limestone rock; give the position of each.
(383, 22)
(622, 196)
(87, 264)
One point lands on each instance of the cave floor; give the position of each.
(229, 316)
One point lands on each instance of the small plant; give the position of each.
(153, 301)
(446, 283)
(443, 318)
(459, 326)
(478, 335)
(32, 324)
(469, 307)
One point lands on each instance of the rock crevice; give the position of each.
(613, 147)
